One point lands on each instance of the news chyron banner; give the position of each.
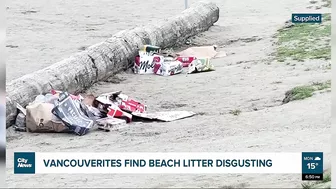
(309, 164)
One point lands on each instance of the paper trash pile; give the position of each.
(62, 112)
(151, 60)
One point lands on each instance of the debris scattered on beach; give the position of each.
(74, 114)
(39, 118)
(152, 60)
(201, 65)
(111, 124)
(202, 51)
(61, 112)
(163, 116)
(186, 60)
(20, 121)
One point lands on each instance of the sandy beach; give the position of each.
(247, 79)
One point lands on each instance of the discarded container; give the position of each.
(95, 111)
(200, 65)
(39, 118)
(168, 68)
(116, 112)
(127, 104)
(149, 50)
(20, 122)
(118, 105)
(111, 124)
(145, 64)
(168, 54)
(48, 98)
(39, 99)
(202, 51)
(102, 106)
(186, 60)
(132, 106)
(72, 116)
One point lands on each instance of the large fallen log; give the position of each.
(80, 71)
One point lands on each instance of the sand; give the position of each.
(246, 80)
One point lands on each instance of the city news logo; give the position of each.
(24, 162)
(306, 18)
(312, 165)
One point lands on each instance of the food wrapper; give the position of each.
(200, 65)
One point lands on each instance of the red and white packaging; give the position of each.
(130, 105)
(118, 105)
(186, 60)
(102, 103)
(144, 63)
(116, 112)
(168, 68)
(111, 123)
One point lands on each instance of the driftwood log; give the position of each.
(100, 61)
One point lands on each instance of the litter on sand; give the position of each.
(164, 116)
(200, 65)
(111, 124)
(167, 68)
(39, 118)
(61, 112)
(203, 51)
(74, 114)
(20, 121)
(152, 60)
(186, 60)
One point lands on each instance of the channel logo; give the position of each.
(24, 162)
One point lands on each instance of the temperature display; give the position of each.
(312, 165)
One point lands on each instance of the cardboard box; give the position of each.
(73, 115)
(166, 116)
(111, 124)
(168, 68)
(144, 64)
(131, 105)
(116, 112)
(186, 60)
